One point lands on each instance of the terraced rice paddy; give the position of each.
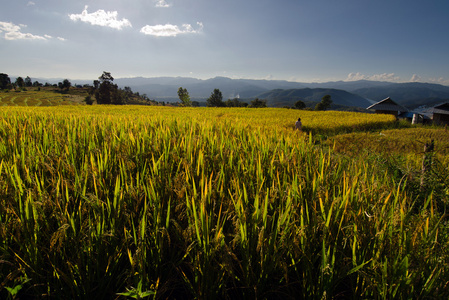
(35, 98)
(212, 203)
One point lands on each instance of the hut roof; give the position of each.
(387, 105)
(442, 109)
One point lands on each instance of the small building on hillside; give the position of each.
(440, 113)
(388, 106)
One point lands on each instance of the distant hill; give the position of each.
(280, 98)
(410, 94)
(349, 86)
(167, 87)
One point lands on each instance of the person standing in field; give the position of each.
(298, 124)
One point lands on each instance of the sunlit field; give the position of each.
(219, 203)
(405, 142)
(36, 98)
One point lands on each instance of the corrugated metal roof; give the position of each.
(389, 105)
(443, 106)
(439, 111)
(442, 109)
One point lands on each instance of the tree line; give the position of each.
(106, 92)
(325, 104)
(20, 82)
(216, 100)
(102, 90)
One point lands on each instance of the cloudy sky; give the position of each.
(296, 40)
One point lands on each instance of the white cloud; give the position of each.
(355, 77)
(101, 18)
(376, 77)
(12, 32)
(385, 77)
(415, 78)
(31, 3)
(61, 39)
(162, 3)
(440, 80)
(170, 30)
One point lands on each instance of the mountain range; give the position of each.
(281, 98)
(280, 93)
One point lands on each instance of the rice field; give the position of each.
(36, 98)
(116, 202)
(405, 141)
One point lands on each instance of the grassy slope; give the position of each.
(219, 203)
(405, 141)
(43, 97)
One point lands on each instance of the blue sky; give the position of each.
(296, 40)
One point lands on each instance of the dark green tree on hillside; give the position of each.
(5, 81)
(128, 90)
(184, 96)
(215, 99)
(300, 104)
(65, 84)
(257, 103)
(235, 103)
(20, 82)
(28, 81)
(96, 84)
(325, 103)
(105, 91)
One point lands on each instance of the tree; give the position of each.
(106, 77)
(319, 106)
(215, 99)
(88, 100)
(28, 81)
(300, 105)
(235, 103)
(184, 96)
(128, 90)
(257, 103)
(66, 84)
(325, 103)
(5, 81)
(105, 91)
(20, 82)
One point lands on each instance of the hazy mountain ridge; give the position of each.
(280, 98)
(359, 93)
(411, 94)
(167, 87)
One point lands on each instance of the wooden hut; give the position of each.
(440, 113)
(388, 106)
